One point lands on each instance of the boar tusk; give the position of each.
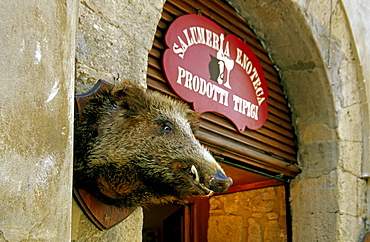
(210, 192)
(193, 170)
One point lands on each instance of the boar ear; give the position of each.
(194, 120)
(129, 96)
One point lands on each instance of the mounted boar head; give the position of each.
(137, 147)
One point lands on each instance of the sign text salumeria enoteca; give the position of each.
(202, 36)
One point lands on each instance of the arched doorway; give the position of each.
(311, 44)
(255, 159)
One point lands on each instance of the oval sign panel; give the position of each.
(216, 72)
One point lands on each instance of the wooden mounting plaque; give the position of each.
(102, 215)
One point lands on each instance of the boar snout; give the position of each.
(217, 183)
(220, 183)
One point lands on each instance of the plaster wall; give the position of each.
(36, 119)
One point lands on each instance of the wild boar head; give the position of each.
(137, 147)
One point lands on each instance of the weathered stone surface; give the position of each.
(105, 51)
(133, 17)
(324, 225)
(308, 194)
(228, 228)
(256, 201)
(257, 215)
(36, 119)
(350, 89)
(362, 203)
(272, 215)
(273, 232)
(350, 158)
(254, 231)
(319, 158)
(215, 205)
(312, 102)
(232, 205)
(113, 39)
(318, 132)
(349, 197)
(349, 124)
(350, 228)
(256, 207)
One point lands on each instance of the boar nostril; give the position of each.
(218, 185)
(220, 182)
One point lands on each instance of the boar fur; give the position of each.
(136, 147)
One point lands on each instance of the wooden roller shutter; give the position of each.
(269, 150)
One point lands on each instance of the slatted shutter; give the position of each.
(270, 149)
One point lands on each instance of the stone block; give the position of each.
(310, 104)
(113, 38)
(362, 191)
(307, 195)
(36, 119)
(272, 215)
(104, 50)
(134, 17)
(351, 193)
(257, 208)
(259, 200)
(350, 87)
(350, 228)
(216, 206)
(255, 233)
(350, 157)
(350, 123)
(318, 158)
(232, 203)
(315, 227)
(273, 233)
(318, 132)
(228, 228)
(258, 215)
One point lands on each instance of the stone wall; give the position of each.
(36, 119)
(255, 215)
(113, 40)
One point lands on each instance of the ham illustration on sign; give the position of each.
(215, 72)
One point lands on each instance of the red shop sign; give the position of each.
(216, 73)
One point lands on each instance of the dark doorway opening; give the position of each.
(163, 223)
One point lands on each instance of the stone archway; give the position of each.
(310, 44)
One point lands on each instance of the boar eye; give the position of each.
(167, 129)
